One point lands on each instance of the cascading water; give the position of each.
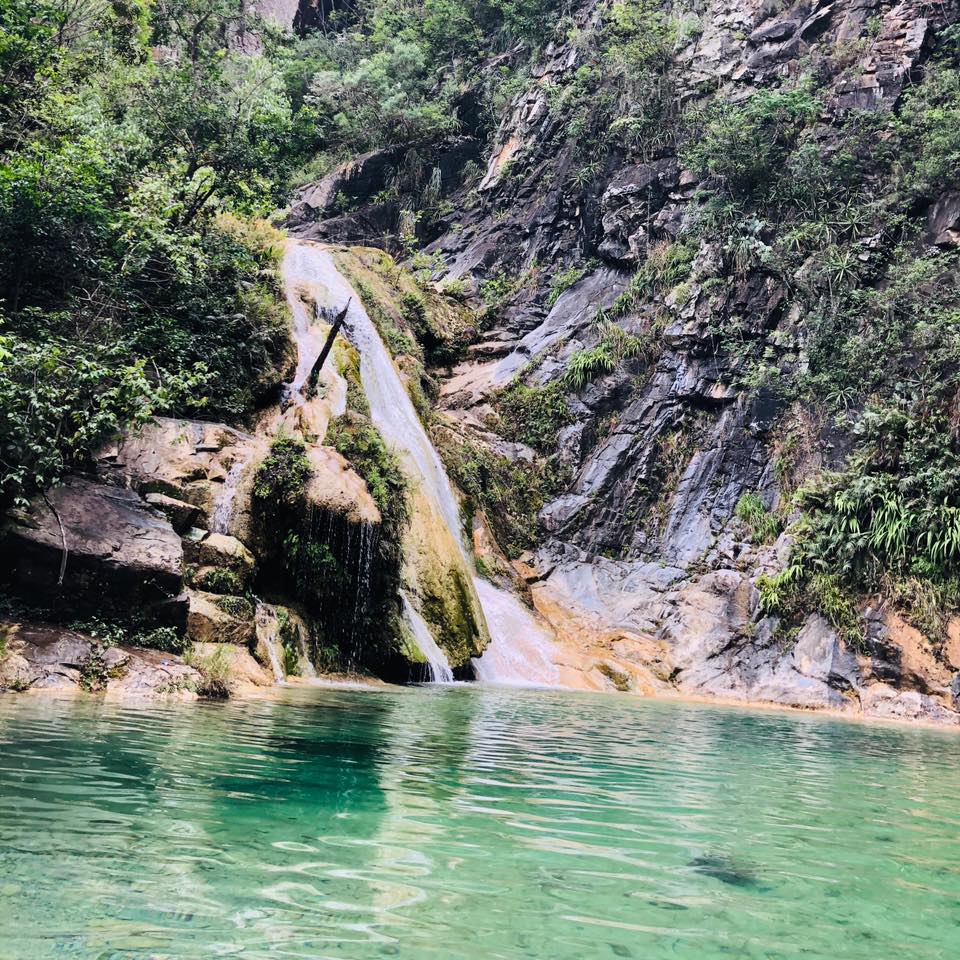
(520, 648)
(437, 663)
(391, 409)
(522, 651)
(268, 633)
(304, 282)
(227, 498)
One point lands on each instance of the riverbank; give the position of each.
(44, 660)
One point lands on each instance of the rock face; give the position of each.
(642, 560)
(92, 545)
(209, 466)
(39, 657)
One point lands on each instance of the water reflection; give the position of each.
(475, 823)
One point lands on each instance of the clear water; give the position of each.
(456, 822)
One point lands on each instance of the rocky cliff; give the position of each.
(667, 245)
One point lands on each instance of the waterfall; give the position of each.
(521, 649)
(391, 409)
(227, 498)
(302, 278)
(268, 630)
(437, 663)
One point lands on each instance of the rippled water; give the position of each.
(471, 823)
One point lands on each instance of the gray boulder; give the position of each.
(92, 546)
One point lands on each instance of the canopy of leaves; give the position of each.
(133, 143)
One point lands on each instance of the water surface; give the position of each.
(471, 823)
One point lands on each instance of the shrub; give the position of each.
(563, 281)
(219, 580)
(533, 415)
(764, 526)
(166, 639)
(214, 669)
(356, 439)
(615, 346)
(239, 607)
(281, 480)
(746, 146)
(512, 493)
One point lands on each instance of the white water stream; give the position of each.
(268, 630)
(437, 663)
(227, 498)
(391, 408)
(520, 649)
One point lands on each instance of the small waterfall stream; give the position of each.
(523, 651)
(268, 633)
(437, 663)
(226, 499)
(520, 651)
(391, 408)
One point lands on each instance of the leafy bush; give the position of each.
(588, 364)
(214, 669)
(764, 526)
(311, 564)
(563, 281)
(746, 146)
(666, 266)
(129, 285)
(533, 415)
(166, 639)
(356, 439)
(218, 580)
(239, 607)
(281, 480)
(512, 493)
(615, 346)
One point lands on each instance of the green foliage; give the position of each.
(161, 638)
(219, 580)
(281, 480)
(588, 364)
(665, 266)
(764, 526)
(290, 641)
(795, 592)
(533, 415)
(512, 493)
(746, 146)
(311, 564)
(239, 607)
(564, 281)
(622, 93)
(59, 399)
(393, 73)
(928, 127)
(94, 672)
(615, 345)
(356, 439)
(132, 632)
(128, 284)
(214, 669)
(896, 507)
